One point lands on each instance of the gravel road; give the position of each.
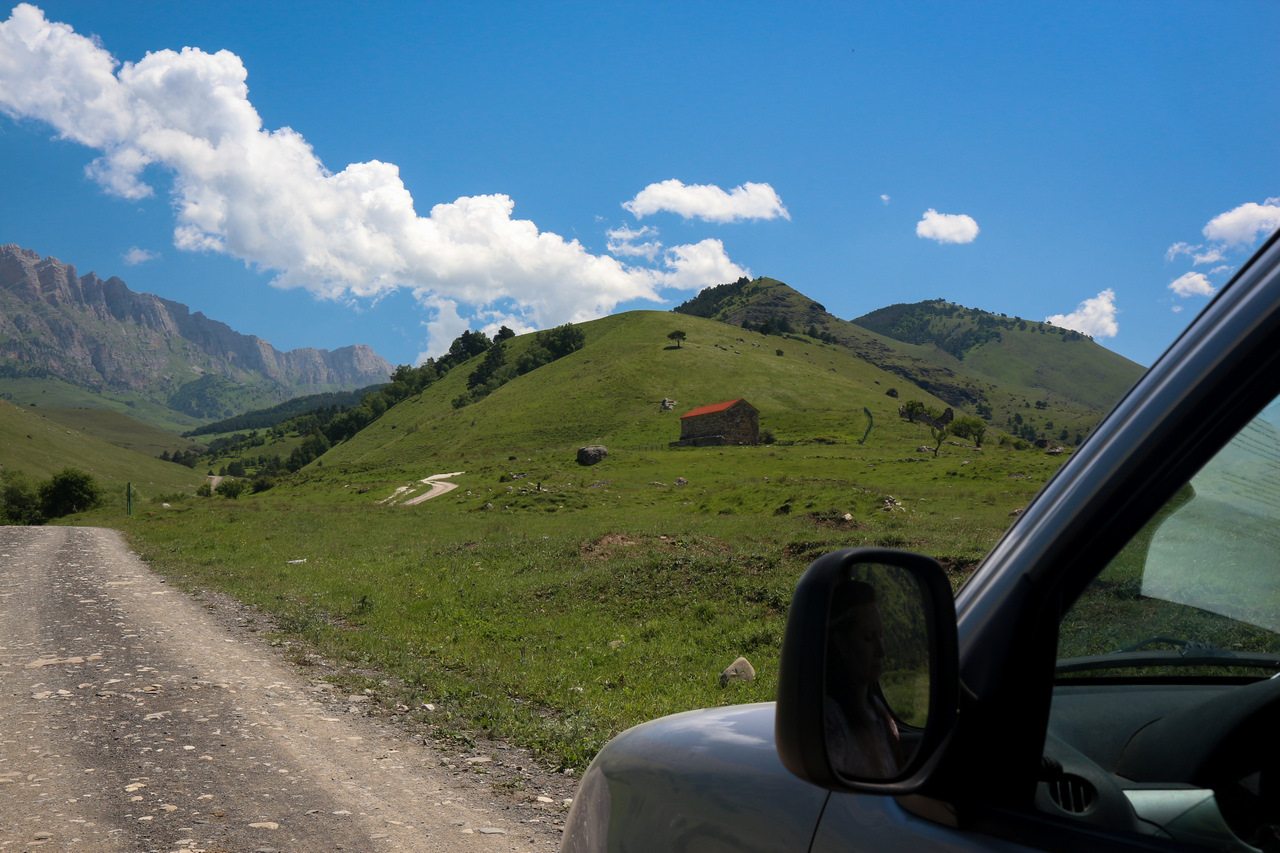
(137, 717)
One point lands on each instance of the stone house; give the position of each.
(730, 422)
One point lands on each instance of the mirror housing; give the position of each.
(820, 614)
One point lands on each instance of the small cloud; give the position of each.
(1192, 284)
(1179, 249)
(1223, 268)
(1177, 309)
(623, 242)
(1209, 256)
(692, 267)
(1244, 223)
(947, 227)
(1095, 317)
(136, 256)
(885, 198)
(707, 202)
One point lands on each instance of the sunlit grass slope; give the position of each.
(611, 392)
(40, 447)
(117, 428)
(56, 393)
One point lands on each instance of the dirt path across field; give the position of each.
(437, 485)
(136, 717)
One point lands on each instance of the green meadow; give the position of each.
(557, 605)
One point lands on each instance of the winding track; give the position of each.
(130, 720)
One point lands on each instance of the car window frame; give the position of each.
(1225, 363)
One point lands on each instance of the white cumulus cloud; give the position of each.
(708, 202)
(1192, 284)
(136, 256)
(1095, 317)
(947, 227)
(884, 197)
(1245, 223)
(263, 195)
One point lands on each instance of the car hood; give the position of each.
(701, 780)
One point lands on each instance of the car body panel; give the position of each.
(675, 784)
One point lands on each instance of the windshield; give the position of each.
(1199, 585)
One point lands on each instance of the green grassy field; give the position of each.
(55, 393)
(559, 607)
(38, 445)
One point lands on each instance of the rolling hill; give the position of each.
(1003, 369)
(612, 389)
(40, 446)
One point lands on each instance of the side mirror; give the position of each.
(868, 680)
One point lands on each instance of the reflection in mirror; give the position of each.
(876, 700)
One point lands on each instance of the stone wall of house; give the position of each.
(739, 424)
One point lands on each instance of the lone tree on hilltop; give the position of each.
(678, 335)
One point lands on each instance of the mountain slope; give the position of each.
(40, 447)
(1011, 350)
(102, 337)
(984, 363)
(612, 389)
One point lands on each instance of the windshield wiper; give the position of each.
(1187, 653)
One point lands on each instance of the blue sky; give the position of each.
(325, 174)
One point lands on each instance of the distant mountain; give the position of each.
(988, 364)
(1011, 350)
(107, 340)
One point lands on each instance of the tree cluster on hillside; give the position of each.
(710, 300)
(494, 371)
(25, 501)
(330, 423)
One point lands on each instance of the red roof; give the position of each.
(706, 410)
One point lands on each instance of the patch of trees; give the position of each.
(495, 370)
(950, 327)
(711, 300)
(25, 501)
(183, 457)
(942, 423)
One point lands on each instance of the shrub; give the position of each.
(19, 499)
(204, 491)
(232, 489)
(69, 491)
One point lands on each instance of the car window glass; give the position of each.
(1197, 591)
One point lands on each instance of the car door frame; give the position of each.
(1218, 374)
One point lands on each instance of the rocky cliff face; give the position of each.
(103, 336)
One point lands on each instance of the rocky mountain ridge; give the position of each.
(100, 335)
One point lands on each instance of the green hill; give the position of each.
(39, 446)
(1018, 375)
(612, 389)
(1026, 354)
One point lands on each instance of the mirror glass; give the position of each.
(876, 687)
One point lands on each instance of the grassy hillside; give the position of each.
(55, 393)
(116, 428)
(611, 391)
(1045, 360)
(40, 446)
(1018, 375)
